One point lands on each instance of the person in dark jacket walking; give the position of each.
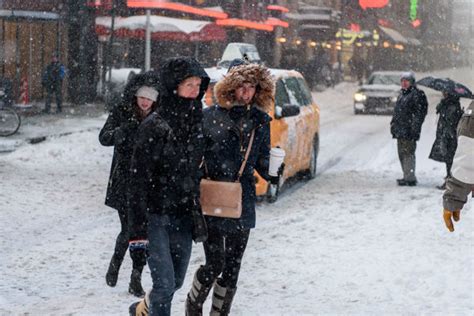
(52, 81)
(243, 97)
(445, 144)
(408, 116)
(164, 193)
(120, 129)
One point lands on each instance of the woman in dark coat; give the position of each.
(119, 131)
(164, 193)
(243, 96)
(445, 144)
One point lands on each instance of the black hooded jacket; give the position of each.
(169, 149)
(409, 114)
(119, 131)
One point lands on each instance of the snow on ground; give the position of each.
(348, 242)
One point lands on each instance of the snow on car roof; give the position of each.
(217, 74)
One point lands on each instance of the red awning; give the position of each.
(276, 22)
(245, 23)
(277, 8)
(157, 4)
(162, 28)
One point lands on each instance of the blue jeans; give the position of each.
(169, 251)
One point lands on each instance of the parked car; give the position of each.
(379, 94)
(239, 50)
(295, 126)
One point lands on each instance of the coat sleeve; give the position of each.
(116, 129)
(420, 111)
(456, 194)
(263, 159)
(146, 152)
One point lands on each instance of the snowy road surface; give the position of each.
(348, 242)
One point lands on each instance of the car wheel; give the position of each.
(313, 167)
(357, 111)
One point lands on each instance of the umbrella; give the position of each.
(446, 85)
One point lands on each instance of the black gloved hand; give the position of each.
(125, 130)
(200, 226)
(275, 180)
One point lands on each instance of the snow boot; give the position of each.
(140, 308)
(403, 182)
(196, 297)
(135, 286)
(222, 300)
(113, 271)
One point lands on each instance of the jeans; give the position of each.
(169, 251)
(406, 154)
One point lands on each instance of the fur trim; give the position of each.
(257, 74)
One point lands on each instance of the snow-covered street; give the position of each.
(348, 242)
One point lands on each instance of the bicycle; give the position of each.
(9, 119)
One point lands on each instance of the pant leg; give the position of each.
(215, 257)
(235, 246)
(169, 251)
(406, 154)
(121, 243)
(59, 98)
(49, 96)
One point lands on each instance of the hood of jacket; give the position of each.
(175, 70)
(259, 75)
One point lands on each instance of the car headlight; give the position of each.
(360, 97)
(393, 99)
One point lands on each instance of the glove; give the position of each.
(124, 130)
(200, 227)
(276, 180)
(447, 214)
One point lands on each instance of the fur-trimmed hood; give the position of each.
(253, 73)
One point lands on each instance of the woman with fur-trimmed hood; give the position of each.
(244, 97)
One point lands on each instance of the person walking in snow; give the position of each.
(461, 181)
(408, 116)
(243, 97)
(444, 146)
(120, 129)
(52, 81)
(164, 193)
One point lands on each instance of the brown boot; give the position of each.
(139, 308)
(196, 297)
(222, 300)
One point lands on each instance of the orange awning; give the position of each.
(277, 8)
(157, 4)
(245, 23)
(276, 22)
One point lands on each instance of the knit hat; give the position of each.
(410, 76)
(147, 92)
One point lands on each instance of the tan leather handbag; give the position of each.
(223, 198)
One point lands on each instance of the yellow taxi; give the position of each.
(295, 126)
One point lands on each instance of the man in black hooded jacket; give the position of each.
(165, 171)
(408, 116)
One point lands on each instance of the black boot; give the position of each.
(222, 300)
(113, 271)
(196, 297)
(135, 286)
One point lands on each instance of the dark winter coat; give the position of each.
(169, 150)
(409, 114)
(227, 130)
(120, 131)
(444, 146)
(53, 76)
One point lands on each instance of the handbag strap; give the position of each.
(247, 154)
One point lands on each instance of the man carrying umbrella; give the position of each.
(408, 116)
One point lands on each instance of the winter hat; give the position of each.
(410, 76)
(147, 92)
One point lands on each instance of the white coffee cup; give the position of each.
(277, 155)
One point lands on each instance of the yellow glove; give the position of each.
(447, 214)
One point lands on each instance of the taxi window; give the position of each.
(294, 92)
(281, 96)
(308, 98)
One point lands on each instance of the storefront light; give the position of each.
(328, 46)
(359, 44)
(399, 46)
(386, 44)
(312, 44)
(298, 42)
(281, 39)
